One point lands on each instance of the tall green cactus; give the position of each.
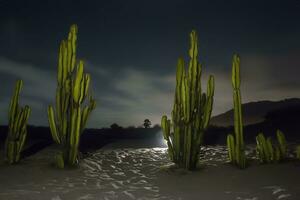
(235, 144)
(191, 111)
(17, 128)
(67, 122)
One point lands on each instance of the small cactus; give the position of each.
(282, 144)
(267, 152)
(59, 160)
(17, 128)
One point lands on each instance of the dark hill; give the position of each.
(286, 119)
(254, 112)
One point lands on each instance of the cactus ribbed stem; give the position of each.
(267, 152)
(67, 122)
(17, 128)
(191, 111)
(236, 146)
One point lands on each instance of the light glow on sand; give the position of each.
(161, 141)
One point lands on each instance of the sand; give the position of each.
(124, 171)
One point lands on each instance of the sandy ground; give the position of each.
(123, 171)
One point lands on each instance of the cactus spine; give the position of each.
(235, 144)
(67, 122)
(17, 128)
(191, 111)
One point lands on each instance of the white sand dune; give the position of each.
(119, 172)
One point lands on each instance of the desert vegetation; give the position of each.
(235, 143)
(69, 118)
(183, 132)
(191, 111)
(268, 151)
(17, 131)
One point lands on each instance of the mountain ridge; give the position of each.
(254, 112)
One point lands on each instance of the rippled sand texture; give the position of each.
(128, 173)
(147, 174)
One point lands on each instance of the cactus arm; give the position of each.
(78, 84)
(270, 150)
(52, 124)
(18, 117)
(260, 147)
(23, 128)
(209, 102)
(231, 147)
(75, 134)
(73, 38)
(60, 66)
(14, 105)
(282, 143)
(166, 127)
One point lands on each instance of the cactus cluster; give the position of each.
(74, 102)
(268, 152)
(235, 143)
(17, 127)
(191, 111)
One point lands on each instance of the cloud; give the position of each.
(128, 95)
(38, 89)
(134, 96)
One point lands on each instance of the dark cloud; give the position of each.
(131, 50)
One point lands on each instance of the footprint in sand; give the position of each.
(278, 192)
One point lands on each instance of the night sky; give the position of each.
(131, 50)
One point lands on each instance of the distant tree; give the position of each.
(115, 126)
(147, 123)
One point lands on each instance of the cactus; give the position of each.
(282, 144)
(68, 120)
(264, 149)
(231, 147)
(267, 152)
(17, 128)
(235, 144)
(191, 111)
(59, 160)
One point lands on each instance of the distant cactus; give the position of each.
(267, 151)
(17, 128)
(282, 144)
(264, 148)
(191, 111)
(72, 110)
(235, 144)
